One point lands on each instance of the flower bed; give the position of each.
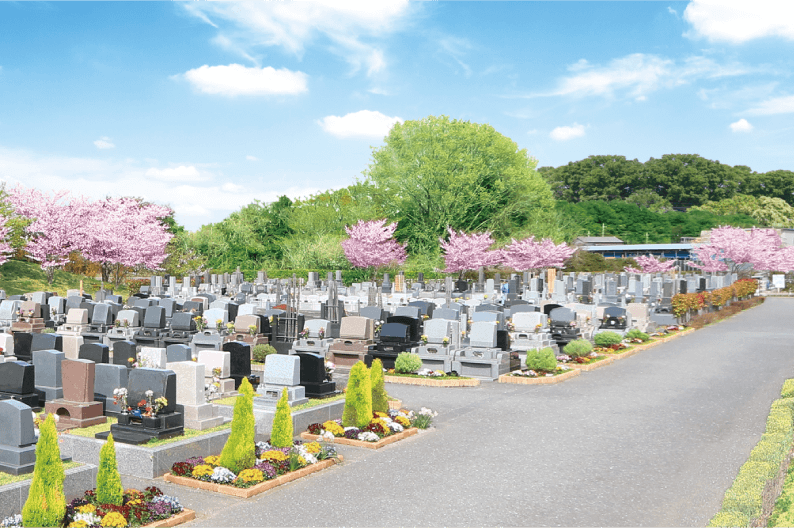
(382, 430)
(526, 379)
(148, 508)
(430, 378)
(591, 363)
(274, 466)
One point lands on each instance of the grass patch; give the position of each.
(89, 432)
(18, 277)
(7, 478)
(743, 502)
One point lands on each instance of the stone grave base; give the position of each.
(369, 445)
(76, 481)
(201, 417)
(31, 400)
(17, 460)
(129, 431)
(253, 490)
(75, 414)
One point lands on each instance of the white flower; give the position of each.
(368, 436)
(149, 393)
(327, 436)
(397, 428)
(349, 428)
(222, 474)
(427, 412)
(91, 519)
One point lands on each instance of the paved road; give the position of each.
(651, 440)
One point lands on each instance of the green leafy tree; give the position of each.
(439, 172)
(281, 432)
(46, 503)
(239, 452)
(108, 481)
(358, 398)
(773, 212)
(380, 400)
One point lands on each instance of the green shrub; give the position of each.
(47, 330)
(239, 452)
(541, 360)
(578, 348)
(46, 503)
(605, 339)
(358, 398)
(742, 503)
(380, 400)
(108, 481)
(260, 352)
(637, 334)
(281, 432)
(407, 362)
(788, 389)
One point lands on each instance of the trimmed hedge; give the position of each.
(742, 503)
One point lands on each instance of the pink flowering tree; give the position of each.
(651, 264)
(464, 252)
(372, 245)
(5, 247)
(125, 232)
(733, 248)
(530, 254)
(56, 225)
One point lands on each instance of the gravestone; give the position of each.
(123, 352)
(17, 438)
(281, 371)
(483, 334)
(46, 342)
(22, 346)
(198, 414)
(135, 428)
(94, 352)
(17, 381)
(47, 374)
(239, 362)
(313, 376)
(106, 379)
(77, 408)
(153, 357)
(177, 353)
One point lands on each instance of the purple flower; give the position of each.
(267, 470)
(352, 433)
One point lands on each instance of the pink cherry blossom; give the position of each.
(529, 254)
(371, 244)
(651, 264)
(464, 252)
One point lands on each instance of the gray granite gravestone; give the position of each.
(17, 438)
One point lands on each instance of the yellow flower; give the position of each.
(381, 414)
(312, 447)
(380, 422)
(334, 428)
(212, 460)
(251, 475)
(274, 455)
(114, 519)
(86, 508)
(134, 502)
(402, 420)
(202, 470)
(78, 524)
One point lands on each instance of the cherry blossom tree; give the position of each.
(529, 254)
(371, 245)
(733, 248)
(125, 232)
(464, 252)
(651, 264)
(55, 230)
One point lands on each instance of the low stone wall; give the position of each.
(76, 482)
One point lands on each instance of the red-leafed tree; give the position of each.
(125, 232)
(371, 245)
(651, 264)
(55, 230)
(464, 252)
(529, 254)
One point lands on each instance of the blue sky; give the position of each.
(208, 106)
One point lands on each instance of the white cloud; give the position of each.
(182, 173)
(564, 133)
(364, 123)
(672, 11)
(349, 29)
(232, 187)
(378, 91)
(251, 158)
(741, 126)
(104, 143)
(639, 74)
(738, 21)
(776, 105)
(456, 48)
(236, 79)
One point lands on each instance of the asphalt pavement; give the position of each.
(651, 440)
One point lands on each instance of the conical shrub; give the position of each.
(380, 400)
(281, 433)
(358, 399)
(239, 452)
(108, 481)
(46, 504)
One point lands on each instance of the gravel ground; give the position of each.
(650, 440)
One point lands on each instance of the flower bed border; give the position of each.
(360, 443)
(608, 358)
(542, 380)
(262, 487)
(184, 516)
(430, 382)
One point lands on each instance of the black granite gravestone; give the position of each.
(94, 352)
(22, 346)
(240, 362)
(123, 351)
(18, 382)
(412, 323)
(313, 376)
